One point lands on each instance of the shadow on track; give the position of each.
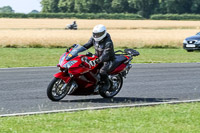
(121, 100)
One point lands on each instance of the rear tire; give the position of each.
(57, 89)
(116, 83)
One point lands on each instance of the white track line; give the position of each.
(100, 108)
(28, 67)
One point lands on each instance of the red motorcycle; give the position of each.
(80, 74)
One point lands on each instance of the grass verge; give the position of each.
(35, 57)
(182, 118)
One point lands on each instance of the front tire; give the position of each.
(116, 83)
(57, 89)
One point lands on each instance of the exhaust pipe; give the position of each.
(126, 70)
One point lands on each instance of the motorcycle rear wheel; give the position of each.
(57, 89)
(116, 83)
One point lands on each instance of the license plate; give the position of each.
(190, 45)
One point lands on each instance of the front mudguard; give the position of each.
(64, 76)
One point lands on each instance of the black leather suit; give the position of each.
(105, 51)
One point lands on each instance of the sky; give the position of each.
(22, 6)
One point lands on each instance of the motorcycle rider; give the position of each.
(104, 50)
(74, 25)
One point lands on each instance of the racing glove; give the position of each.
(94, 62)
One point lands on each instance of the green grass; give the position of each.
(182, 118)
(167, 56)
(34, 57)
(29, 57)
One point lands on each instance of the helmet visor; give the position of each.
(97, 35)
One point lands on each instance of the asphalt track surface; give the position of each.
(24, 89)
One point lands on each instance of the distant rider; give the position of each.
(74, 25)
(104, 50)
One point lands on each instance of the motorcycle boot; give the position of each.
(105, 83)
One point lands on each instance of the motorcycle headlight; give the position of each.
(69, 64)
(184, 41)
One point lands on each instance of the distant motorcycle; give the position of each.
(79, 76)
(72, 26)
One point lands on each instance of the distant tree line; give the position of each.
(144, 8)
(6, 9)
(127, 16)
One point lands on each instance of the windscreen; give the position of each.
(77, 50)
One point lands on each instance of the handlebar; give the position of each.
(130, 52)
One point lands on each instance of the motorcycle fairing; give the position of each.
(64, 76)
(119, 69)
(87, 83)
(118, 65)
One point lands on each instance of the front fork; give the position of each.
(66, 78)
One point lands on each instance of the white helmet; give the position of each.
(99, 32)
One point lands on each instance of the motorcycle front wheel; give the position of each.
(116, 82)
(57, 89)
